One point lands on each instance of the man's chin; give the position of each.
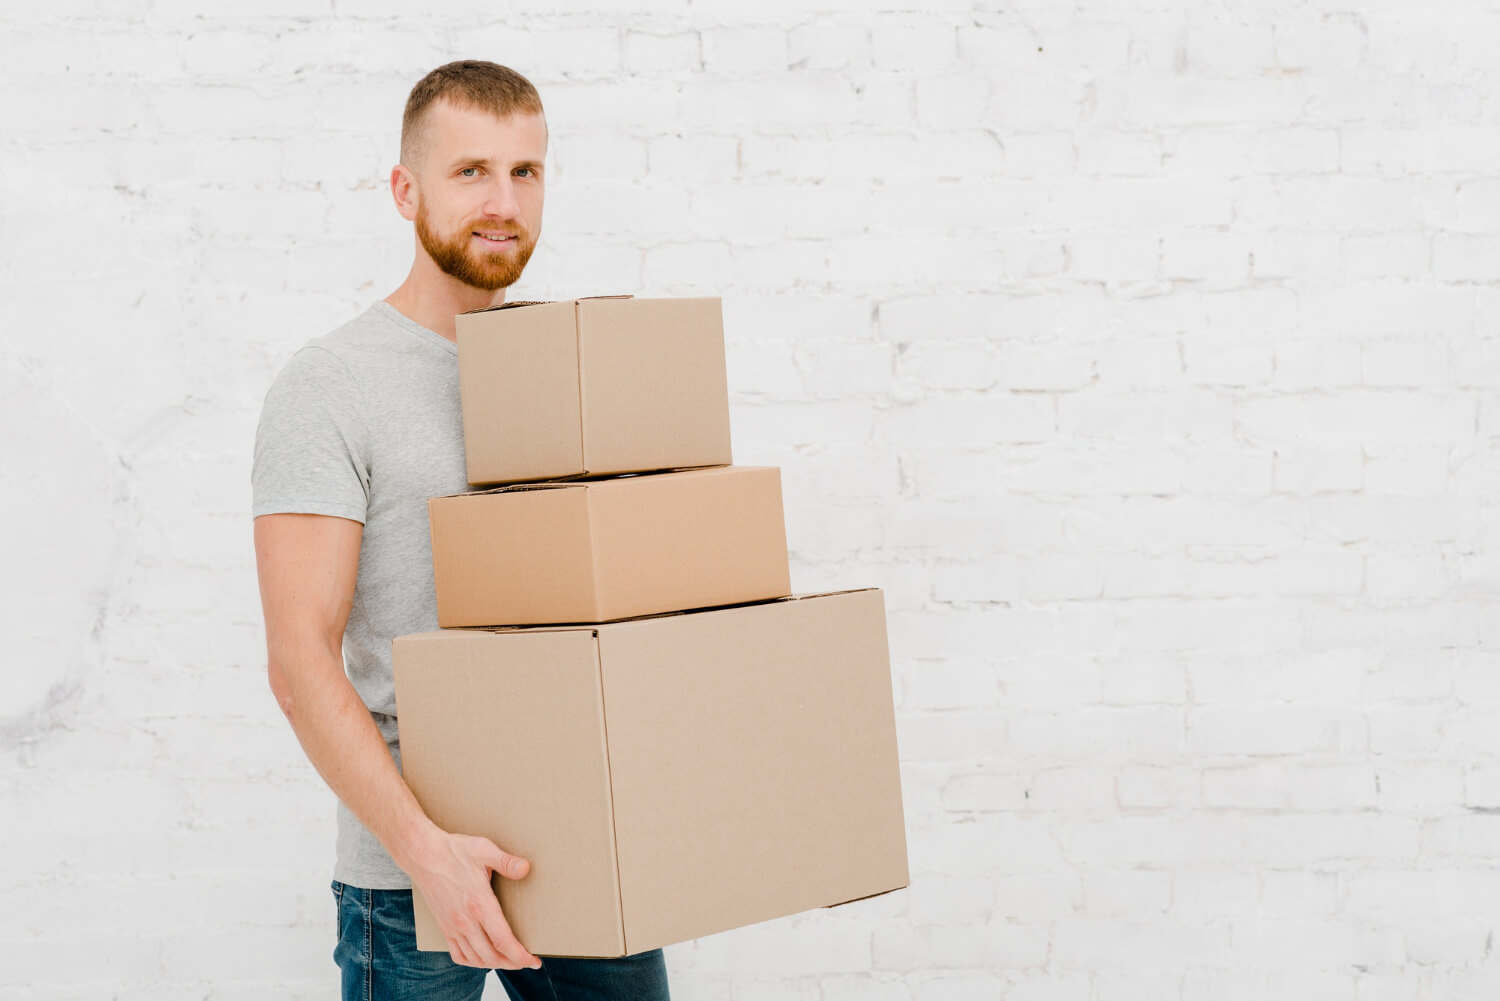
(495, 273)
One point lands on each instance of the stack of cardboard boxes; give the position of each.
(624, 691)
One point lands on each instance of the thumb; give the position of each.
(508, 865)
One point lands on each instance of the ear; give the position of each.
(404, 191)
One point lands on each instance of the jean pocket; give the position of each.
(338, 909)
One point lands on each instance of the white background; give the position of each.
(1143, 350)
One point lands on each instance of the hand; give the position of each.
(453, 876)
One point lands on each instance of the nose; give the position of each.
(500, 200)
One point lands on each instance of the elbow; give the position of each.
(281, 689)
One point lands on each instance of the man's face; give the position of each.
(479, 210)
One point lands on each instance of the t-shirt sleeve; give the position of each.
(312, 445)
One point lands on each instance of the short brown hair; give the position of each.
(468, 83)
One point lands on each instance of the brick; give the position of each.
(957, 987)
(901, 43)
(762, 211)
(984, 792)
(1463, 257)
(858, 262)
(1114, 257)
(1313, 470)
(949, 737)
(1119, 154)
(1082, 943)
(887, 100)
(1406, 362)
(1225, 49)
(988, 418)
(828, 46)
(1265, 729)
(1147, 787)
(1282, 254)
(1152, 733)
(1135, 986)
(1403, 575)
(1004, 42)
(1225, 471)
(1417, 789)
(1209, 101)
(692, 160)
(1380, 256)
(1033, 156)
(1359, 417)
(1073, 789)
(862, 987)
(1222, 259)
(744, 49)
(989, 580)
(623, 104)
(951, 102)
(807, 99)
(1056, 682)
(1329, 45)
(672, 52)
(1327, 679)
(1344, 203)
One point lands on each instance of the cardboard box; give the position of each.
(748, 769)
(592, 387)
(595, 550)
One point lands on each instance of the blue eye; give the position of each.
(469, 171)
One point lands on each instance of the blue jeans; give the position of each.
(377, 952)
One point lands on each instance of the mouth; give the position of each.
(495, 239)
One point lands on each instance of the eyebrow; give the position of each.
(484, 161)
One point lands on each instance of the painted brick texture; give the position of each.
(1145, 351)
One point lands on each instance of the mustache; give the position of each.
(479, 226)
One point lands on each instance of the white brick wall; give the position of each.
(1144, 351)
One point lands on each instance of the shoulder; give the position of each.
(369, 333)
(336, 360)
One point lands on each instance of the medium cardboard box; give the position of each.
(592, 387)
(748, 769)
(595, 550)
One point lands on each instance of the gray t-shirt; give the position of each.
(364, 424)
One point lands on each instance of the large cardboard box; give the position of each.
(594, 550)
(748, 768)
(592, 387)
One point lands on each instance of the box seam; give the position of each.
(583, 457)
(609, 771)
(596, 600)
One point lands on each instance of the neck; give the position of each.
(433, 299)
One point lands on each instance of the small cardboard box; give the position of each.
(592, 387)
(748, 769)
(595, 550)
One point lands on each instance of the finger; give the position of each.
(508, 865)
(504, 941)
(484, 953)
(475, 940)
(460, 953)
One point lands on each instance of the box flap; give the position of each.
(474, 552)
(518, 385)
(652, 383)
(751, 750)
(539, 302)
(538, 786)
(513, 488)
(695, 539)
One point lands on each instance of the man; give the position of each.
(358, 431)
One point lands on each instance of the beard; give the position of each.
(457, 256)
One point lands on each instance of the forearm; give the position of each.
(341, 740)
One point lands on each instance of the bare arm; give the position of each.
(307, 565)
